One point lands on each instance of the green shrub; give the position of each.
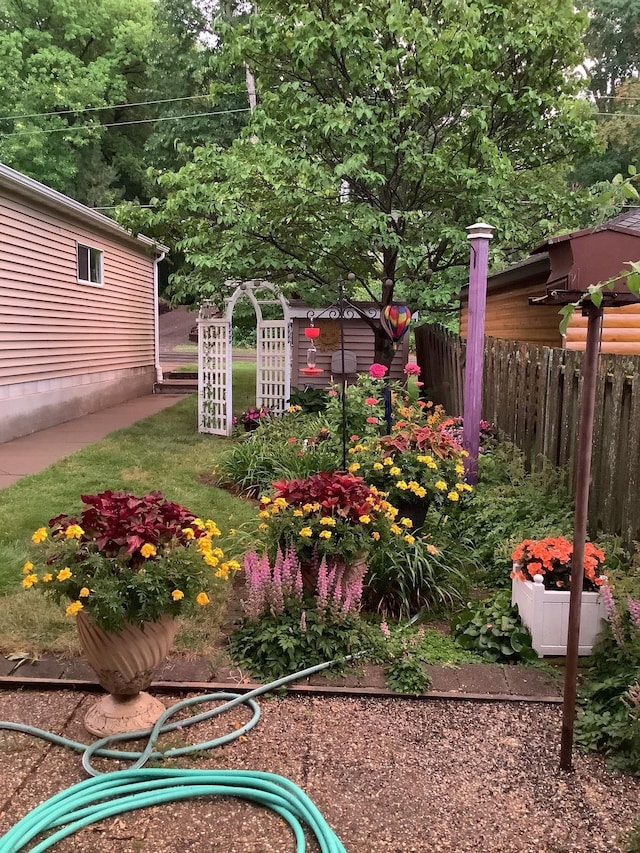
(404, 577)
(506, 506)
(608, 718)
(310, 400)
(492, 628)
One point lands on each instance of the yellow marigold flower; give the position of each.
(202, 598)
(460, 487)
(468, 488)
(73, 531)
(459, 469)
(263, 526)
(148, 550)
(222, 573)
(230, 566)
(388, 460)
(211, 560)
(395, 471)
(265, 499)
(73, 608)
(177, 595)
(328, 521)
(402, 485)
(27, 568)
(325, 534)
(64, 574)
(47, 577)
(84, 592)
(218, 552)
(199, 523)
(188, 532)
(406, 522)
(421, 458)
(440, 484)
(298, 513)
(365, 519)
(29, 580)
(351, 451)
(375, 535)
(307, 507)
(265, 514)
(280, 503)
(316, 506)
(212, 528)
(395, 529)
(432, 466)
(306, 532)
(353, 467)
(378, 466)
(413, 485)
(453, 496)
(421, 492)
(409, 539)
(40, 535)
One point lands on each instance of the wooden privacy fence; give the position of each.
(532, 394)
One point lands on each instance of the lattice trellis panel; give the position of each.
(214, 376)
(273, 379)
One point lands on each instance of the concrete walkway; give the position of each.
(33, 453)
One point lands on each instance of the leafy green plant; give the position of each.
(493, 628)
(310, 400)
(296, 638)
(608, 718)
(507, 505)
(406, 674)
(405, 576)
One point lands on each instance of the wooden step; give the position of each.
(175, 386)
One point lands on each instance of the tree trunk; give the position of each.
(383, 350)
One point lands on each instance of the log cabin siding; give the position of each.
(509, 316)
(620, 331)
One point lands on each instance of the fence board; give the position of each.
(532, 394)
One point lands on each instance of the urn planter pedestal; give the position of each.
(124, 663)
(545, 612)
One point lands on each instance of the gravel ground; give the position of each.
(389, 775)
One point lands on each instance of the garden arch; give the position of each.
(215, 356)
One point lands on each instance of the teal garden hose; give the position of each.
(107, 794)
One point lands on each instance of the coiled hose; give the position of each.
(108, 794)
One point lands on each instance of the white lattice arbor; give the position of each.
(273, 356)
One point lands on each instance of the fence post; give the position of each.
(479, 236)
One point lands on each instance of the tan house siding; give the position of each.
(68, 347)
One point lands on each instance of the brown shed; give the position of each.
(359, 344)
(569, 262)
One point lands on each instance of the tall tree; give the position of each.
(59, 59)
(613, 44)
(383, 129)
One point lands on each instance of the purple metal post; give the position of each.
(479, 236)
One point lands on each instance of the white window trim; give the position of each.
(101, 272)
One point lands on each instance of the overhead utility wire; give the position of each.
(122, 123)
(107, 107)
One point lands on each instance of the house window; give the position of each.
(89, 265)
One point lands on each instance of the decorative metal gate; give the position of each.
(273, 374)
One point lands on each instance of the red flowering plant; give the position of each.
(331, 515)
(552, 558)
(127, 559)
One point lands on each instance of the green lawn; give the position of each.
(164, 452)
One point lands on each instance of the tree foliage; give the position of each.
(613, 43)
(383, 129)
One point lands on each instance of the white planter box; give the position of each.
(545, 612)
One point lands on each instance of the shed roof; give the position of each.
(26, 186)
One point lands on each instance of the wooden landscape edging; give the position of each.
(532, 394)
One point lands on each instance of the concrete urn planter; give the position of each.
(545, 612)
